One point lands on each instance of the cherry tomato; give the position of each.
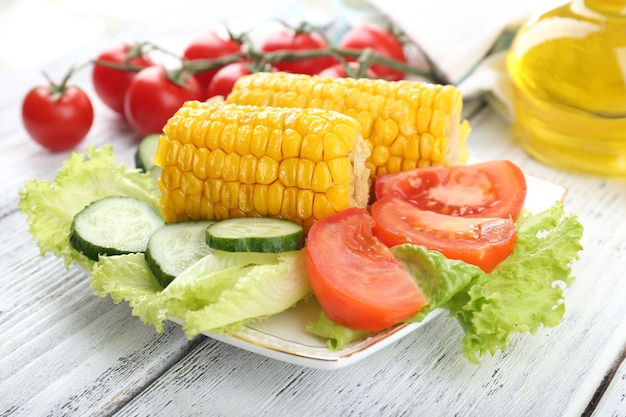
(153, 97)
(484, 242)
(111, 83)
(223, 81)
(295, 40)
(339, 71)
(356, 279)
(379, 40)
(486, 189)
(210, 46)
(57, 117)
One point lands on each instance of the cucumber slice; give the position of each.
(174, 247)
(144, 156)
(114, 226)
(255, 234)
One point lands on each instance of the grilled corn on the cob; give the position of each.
(406, 124)
(226, 160)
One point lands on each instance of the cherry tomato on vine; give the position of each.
(339, 71)
(58, 117)
(111, 83)
(223, 81)
(154, 95)
(298, 40)
(210, 46)
(379, 40)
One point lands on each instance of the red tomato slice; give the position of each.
(484, 242)
(356, 278)
(487, 189)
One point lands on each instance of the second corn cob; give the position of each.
(406, 124)
(225, 160)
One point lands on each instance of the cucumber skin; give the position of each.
(270, 244)
(148, 141)
(91, 251)
(165, 278)
(263, 245)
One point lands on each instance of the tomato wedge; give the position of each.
(486, 189)
(356, 278)
(484, 242)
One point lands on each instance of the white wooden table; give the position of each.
(65, 352)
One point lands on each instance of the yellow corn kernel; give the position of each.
(258, 141)
(340, 170)
(290, 204)
(230, 195)
(199, 163)
(288, 172)
(230, 171)
(242, 140)
(304, 176)
(385, 110)
(185, 156)
(291, 143)
(267, 161)
(191, 184)
(275, 145)
(322, 177)
(246, 198)
(312, 148)
(213, 189)
(275, 195)
(215, 163)
(267, 170)
(304, 204)
(192, 205)
(260, 198)
(214, 135)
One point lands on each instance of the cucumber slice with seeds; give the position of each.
(174, 247)
(144, 156)
(114, 226)
(255, 234)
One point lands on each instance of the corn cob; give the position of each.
(406, 124)
(224, 160)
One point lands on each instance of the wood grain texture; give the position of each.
(65, 352)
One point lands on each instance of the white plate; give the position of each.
(284, 336)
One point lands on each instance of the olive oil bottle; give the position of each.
(568, 69)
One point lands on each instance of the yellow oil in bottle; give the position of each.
(568, 69)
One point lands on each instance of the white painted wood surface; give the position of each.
(64, 352)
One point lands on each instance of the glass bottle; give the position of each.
(568, 69)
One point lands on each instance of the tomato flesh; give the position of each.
(484, 242)
(487, 189)
(356, 278)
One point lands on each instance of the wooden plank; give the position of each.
(65, 352)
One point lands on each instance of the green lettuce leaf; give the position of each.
(337, 336)
(524, 293)
(218, 294)
(262, 292)
(50, 206)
